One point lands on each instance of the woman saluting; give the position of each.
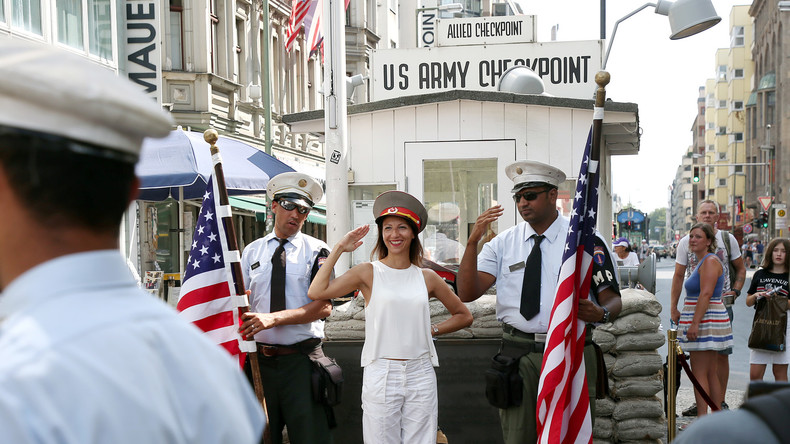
(399, 397)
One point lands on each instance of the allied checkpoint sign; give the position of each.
(485, 30)
(568, 68)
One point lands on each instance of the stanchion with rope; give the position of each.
(672, 364)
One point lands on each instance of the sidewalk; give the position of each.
(685, 398)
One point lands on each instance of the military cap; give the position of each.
(529, 173)
(398, 203)
(298, 188)
(50, 91)
(443, 212)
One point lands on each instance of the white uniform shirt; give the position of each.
(87, 357)
(505, 256)
(684, 257)
(256, 265)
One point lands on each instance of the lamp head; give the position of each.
(688, 17)
(521, 80)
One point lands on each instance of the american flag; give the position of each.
(563, 403)
(207, 293)
(299, 10)
(314, 26)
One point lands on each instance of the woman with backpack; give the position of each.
(770, 281)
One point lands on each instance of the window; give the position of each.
(722, 104)
(687, 168)
(687, 194)
(176, 37)
(722, 74)
(711, 191)
(722, 156)
(711, 125)
(710, 170)
(721, 131)
(737, 73)
(722, 182)
(736, 137)
(736, 36)
(688, 210)
(687, 180)
(100, 37)
(26, 15)
(739, 168)
(69, 22)
(711, 148)
(711, 101)
(770, 102)
(737, 105)
(214, 19)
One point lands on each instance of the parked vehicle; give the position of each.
(660, 251)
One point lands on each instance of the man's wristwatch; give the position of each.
(605, 315)
(737, 292)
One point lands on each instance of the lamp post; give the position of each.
(421, 37)
(769, 176)
(686, 18)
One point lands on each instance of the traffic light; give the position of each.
(695, 178)
(764, 219)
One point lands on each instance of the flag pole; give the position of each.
(602, 79)
(211, 136)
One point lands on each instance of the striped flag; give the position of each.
(299, 10)
(207, 292)
(313, 24)
(563, 401)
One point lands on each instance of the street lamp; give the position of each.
(449, 7)
(686, 18)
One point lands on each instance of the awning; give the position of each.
(752, 99)
(767, 82)
(258, 204)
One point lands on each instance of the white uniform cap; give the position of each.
(52, 91)
(529, 173)
(295, 187)
(444, 212)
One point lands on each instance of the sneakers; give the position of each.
(691, 411)
(724, 406)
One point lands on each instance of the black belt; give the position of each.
(274, 350)
(537, 337)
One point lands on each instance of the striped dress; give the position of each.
(715, 331)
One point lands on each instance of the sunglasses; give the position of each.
(529, 195)
(287, 205)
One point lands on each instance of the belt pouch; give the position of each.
(504, 387)
(327, 379)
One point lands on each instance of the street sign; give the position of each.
(747, 228)
(765, 201)
(780, 221)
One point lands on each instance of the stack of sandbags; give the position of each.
(633, 413)
(347, 321)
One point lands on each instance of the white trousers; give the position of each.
(399, 402)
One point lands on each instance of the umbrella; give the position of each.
(182, 161)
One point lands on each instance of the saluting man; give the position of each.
(525, 262)
(287, 325)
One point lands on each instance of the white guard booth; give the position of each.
(450, 150)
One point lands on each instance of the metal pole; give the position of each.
(338, 222)
(672, 365)
(603, 19)
(266, 82)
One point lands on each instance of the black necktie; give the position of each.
(277, 302)
(530, 289)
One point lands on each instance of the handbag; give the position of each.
(769, 324)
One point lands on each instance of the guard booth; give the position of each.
(450, 150)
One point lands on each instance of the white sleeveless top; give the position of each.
(398, 317)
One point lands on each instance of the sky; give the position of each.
(660, 75)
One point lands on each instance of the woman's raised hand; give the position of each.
(353, 239)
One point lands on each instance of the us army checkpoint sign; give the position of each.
(568, 68)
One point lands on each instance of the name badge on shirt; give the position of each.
(518, 266)
(255, 265)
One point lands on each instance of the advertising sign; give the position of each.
(485, 30)
(143, 46)
(568, 68)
